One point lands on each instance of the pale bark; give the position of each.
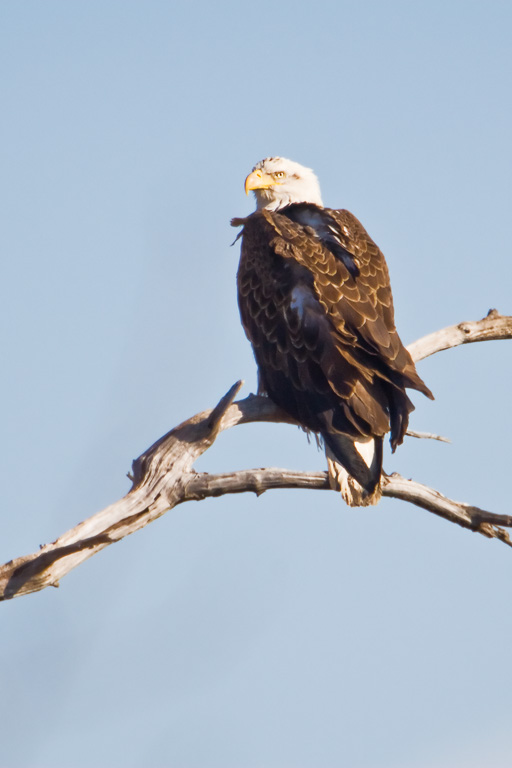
(493, 327)
(163, 476)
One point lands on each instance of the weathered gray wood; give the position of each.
(491, 328)
(163, 477)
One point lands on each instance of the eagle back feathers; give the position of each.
(316, 304)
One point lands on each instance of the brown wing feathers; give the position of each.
(316, 304)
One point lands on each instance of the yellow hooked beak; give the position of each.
(258, 180)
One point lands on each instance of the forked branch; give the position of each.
(163, 476)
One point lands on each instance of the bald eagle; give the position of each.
(316, 305)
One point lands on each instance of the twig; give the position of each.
(427, 436)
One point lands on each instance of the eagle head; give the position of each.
(277, 182)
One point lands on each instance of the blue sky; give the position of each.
(285, 631)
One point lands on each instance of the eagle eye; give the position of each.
(278, 174)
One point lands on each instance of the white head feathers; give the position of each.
(277, 182)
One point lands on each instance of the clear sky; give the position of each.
(285, 631)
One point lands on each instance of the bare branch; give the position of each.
(202, 486)
(477, 520)
(493, 327)
(163, 477)
(427, 436)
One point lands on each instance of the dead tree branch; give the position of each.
(163, 477)
(491, 328)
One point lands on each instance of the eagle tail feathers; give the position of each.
(355, 468)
